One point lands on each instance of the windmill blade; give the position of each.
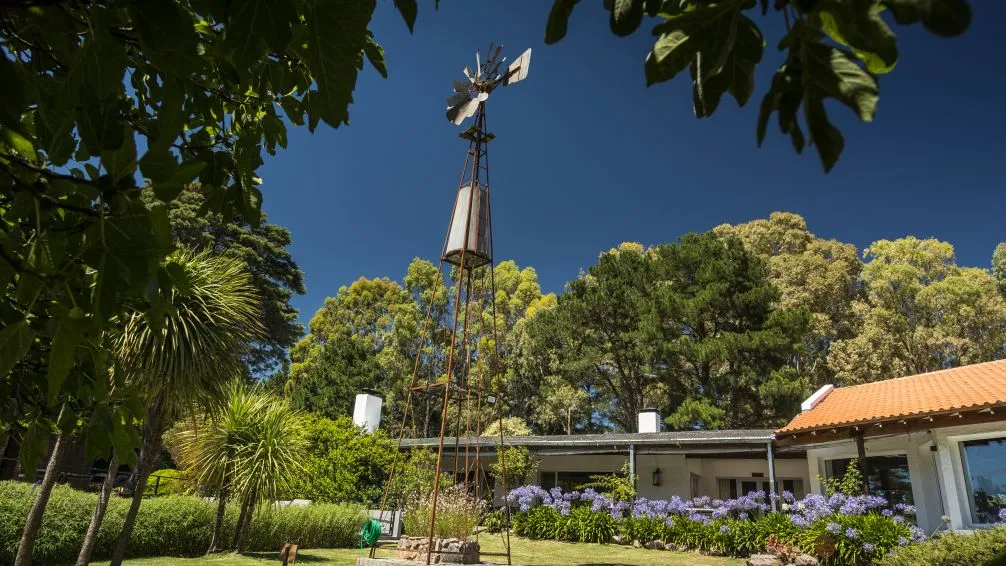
(458, 98)
(518, 69)
(478, 64)
(498, 49)
(457, 114)
(460, 86)
(468, 73)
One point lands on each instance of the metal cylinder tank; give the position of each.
(476, 251)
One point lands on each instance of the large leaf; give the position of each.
(15, 340)
(255, 21)
(829, 72)
(859, 25)
(167, 34)
(558, 20)
(408, 9)
(704, 36)
(336, 37)
(12, 95)
(121, 163)
(62, 353)
(375, 54)
(626, 15)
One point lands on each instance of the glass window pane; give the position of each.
(985, 465)
(887, 476)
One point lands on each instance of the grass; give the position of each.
(524, 552)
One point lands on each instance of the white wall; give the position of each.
(938, 484)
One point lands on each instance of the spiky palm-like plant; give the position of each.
(248, 448)
(188, 355)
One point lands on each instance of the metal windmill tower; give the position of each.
(468, 252)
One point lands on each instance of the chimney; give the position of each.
(649, 420)
(816, 398)
(367, 411)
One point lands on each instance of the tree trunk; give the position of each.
(243, 520)
(218, 522)
(84, 558)
(34, 521)
(152, 430)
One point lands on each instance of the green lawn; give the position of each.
(525, 552)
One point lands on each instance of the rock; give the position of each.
(806, 560)
(637, 544)
(619, 539)
(763, 560)
(654, 545)
(455, 551)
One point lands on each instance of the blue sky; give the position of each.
(587, 157)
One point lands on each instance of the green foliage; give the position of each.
(202, 89)
(171, 482)
(850, 483)
(999, 267)
(985, 547)
(494, 521)
(166, 526)
(329, 386)
(620, 487)
(834, 49)
(520, 465)
(414, 477)
(458, 513)
(689, 327)
(263, 248)
(253, 443)
(730, 536)
(342, 463)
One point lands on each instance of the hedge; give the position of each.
(175, 525)
(980, 548)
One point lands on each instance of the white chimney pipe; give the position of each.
(367, 411)
(649, 420)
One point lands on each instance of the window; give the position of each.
(985, 473)
(732, 488)
(886, 476)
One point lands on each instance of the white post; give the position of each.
(771, 476)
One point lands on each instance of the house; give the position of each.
(936, 440)
(714, 463)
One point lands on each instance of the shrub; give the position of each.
(343, 463)
(172, 482)
(174, 525)
(840, 529)
(494, 521)
(981, 548)
(458, 513)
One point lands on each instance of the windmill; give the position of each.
(468, 253)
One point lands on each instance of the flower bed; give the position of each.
(838, 530)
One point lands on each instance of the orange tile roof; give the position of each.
(968, 387)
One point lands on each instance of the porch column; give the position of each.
(632, 463)
(771, 475)
(861, 461)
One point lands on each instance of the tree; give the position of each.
(722, 343)
(208, 446)
(822, 276)
(210, 320)
(834, 49)
(562, 405)
(200, 88)
(343, 463)
(263, 248)
(921, 312)
(999, 267)
(328, 387)
(689, 327)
